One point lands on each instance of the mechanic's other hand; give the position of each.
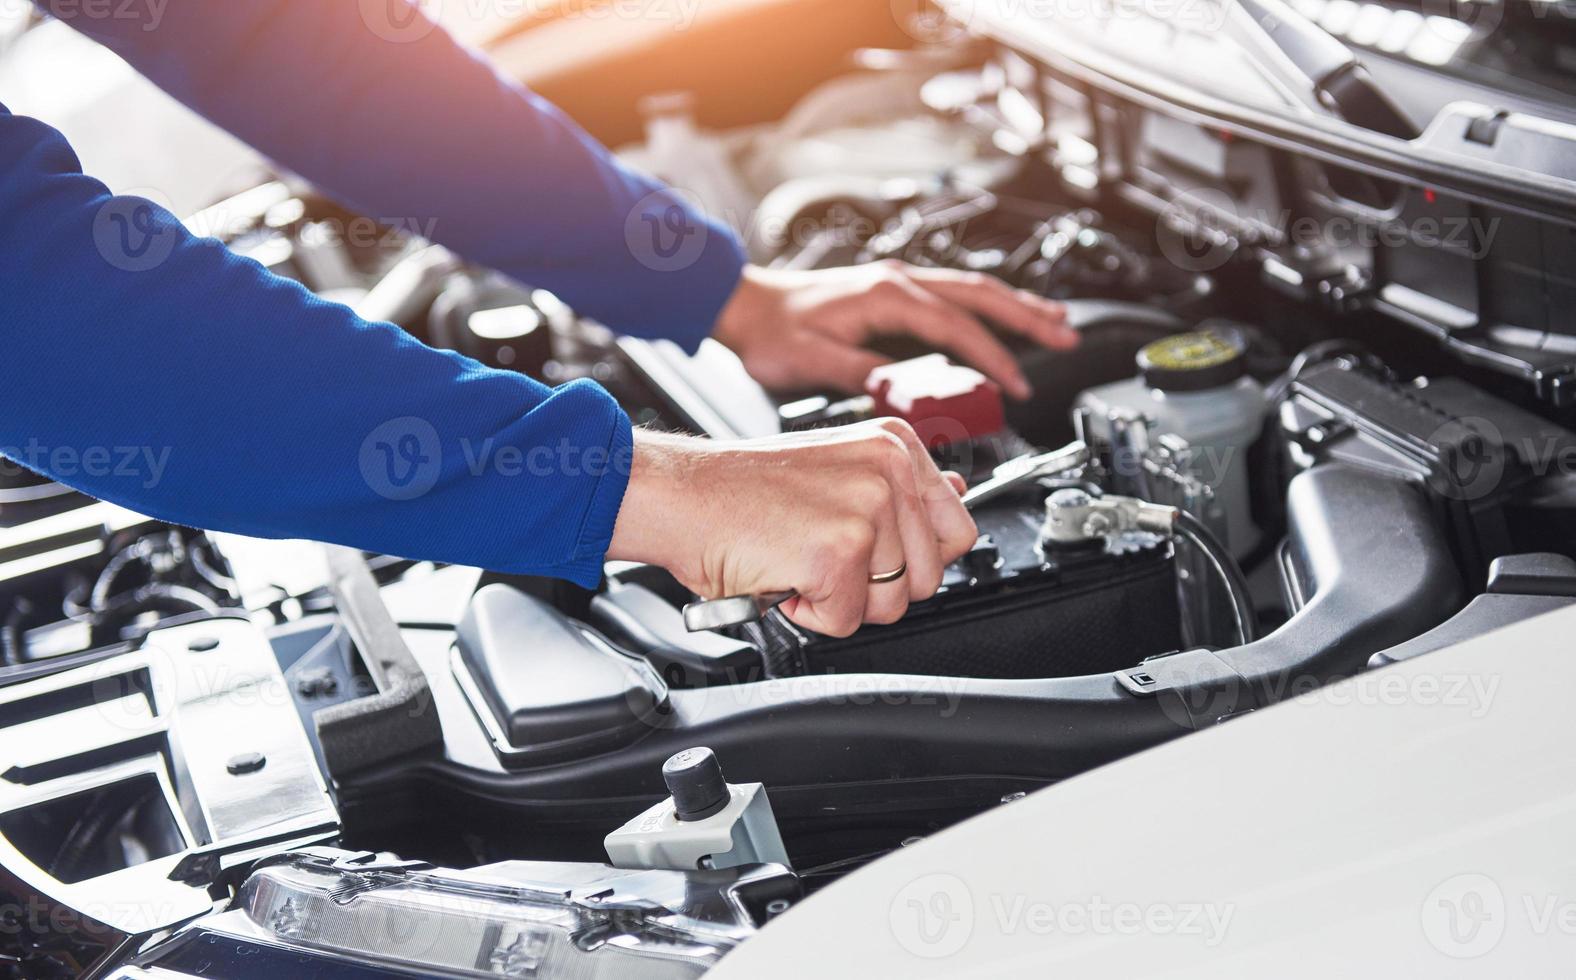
(804, 329)
(817, 512)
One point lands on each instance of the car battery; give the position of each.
(1011, 608)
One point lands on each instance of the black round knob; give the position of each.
(694, 777)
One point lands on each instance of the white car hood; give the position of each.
(1417, 820)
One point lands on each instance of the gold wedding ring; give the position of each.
(892, 576)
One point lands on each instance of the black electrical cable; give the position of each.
(99, 597)
(1192, 530)
(158, 597)
(207, 569)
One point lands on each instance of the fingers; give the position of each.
(954, 530)
(892, 527)
(859, 501)
(1041, 320)
(835, 603)
(886, 602)
(921, 546)
(904, 305)
(868, 543)
(797, 329)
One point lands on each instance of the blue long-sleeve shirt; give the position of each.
(160, 371)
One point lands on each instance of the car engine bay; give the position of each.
(1276, 462)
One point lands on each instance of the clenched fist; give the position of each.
(817, 512)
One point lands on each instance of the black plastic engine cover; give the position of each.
(551, 687)
(1471, 453)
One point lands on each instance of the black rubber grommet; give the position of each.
(694, 777)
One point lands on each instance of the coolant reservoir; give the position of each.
(1194, 386)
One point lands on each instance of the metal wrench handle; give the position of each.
(714, 614)
(1026, 469)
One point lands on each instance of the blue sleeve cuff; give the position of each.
(728, 265)
(596, 529)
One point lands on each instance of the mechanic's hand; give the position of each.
(803, 329)
(818, 512)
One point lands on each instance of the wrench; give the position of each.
(714, 614)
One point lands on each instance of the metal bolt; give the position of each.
(1070, 497)
(1098, 525)
(317, 683)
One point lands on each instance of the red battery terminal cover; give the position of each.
(946, 403)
